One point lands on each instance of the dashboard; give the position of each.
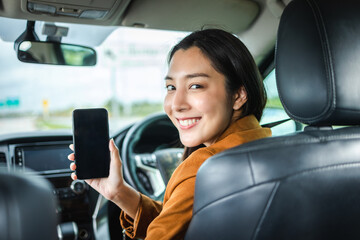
(44, 158)
(45, 153)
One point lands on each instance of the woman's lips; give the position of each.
(186, 123)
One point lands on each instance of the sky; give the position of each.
(134, 72)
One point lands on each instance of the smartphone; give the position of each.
(91, 143)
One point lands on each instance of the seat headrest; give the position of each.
(318, 61)
(27, 207)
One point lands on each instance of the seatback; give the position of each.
(305, 185)
(27, 207)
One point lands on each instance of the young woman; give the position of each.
(215, 98)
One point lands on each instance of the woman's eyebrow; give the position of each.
(192, 75)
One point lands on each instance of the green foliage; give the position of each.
(63, 113)
(62, 119)
(44, 124)
(274, 103)
(145, 108)
(138, 109)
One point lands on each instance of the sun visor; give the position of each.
(233, 16)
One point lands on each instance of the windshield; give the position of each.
(128, 80)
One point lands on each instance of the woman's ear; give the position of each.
(240, 98)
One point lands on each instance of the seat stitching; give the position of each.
(265, 211)
(224, 197)
(326, 56)
(326, 168)
(251, 169)
(307, 171)
(282, 140)
(321, 169)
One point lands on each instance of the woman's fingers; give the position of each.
(114, 151)
(73, 176)
(71, 156)
(72, 166)
(112, 145)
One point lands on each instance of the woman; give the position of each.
(215, 98)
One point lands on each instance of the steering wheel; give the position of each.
(149, 154)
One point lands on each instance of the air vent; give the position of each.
(2, 157)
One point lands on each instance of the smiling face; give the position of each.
(196, 100)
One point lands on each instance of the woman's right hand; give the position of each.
(110, 187)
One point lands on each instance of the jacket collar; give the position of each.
(243, 124)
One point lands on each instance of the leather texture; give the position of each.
(317, 59)
(27, 207)
(304, 185)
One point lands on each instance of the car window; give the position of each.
(128, 80)
(274, 110)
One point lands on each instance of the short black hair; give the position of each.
(230, 57)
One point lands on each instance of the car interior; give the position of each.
(27, 207)
(301, 183)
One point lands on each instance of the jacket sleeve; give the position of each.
(147, 211)
(176, 214)
(159, 222)
(171, 219)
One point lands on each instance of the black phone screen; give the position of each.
(91, 143)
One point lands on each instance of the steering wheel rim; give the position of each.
(135, 164)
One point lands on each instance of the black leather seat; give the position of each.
(305, 185)
(27, 207)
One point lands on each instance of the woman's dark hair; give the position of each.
(230, 57)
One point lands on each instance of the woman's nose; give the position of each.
(180, 101)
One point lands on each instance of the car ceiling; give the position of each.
(248, 19)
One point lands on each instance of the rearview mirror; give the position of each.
(55, 53)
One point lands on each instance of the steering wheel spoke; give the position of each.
(145, 160)
(147, 163)
(143, 170)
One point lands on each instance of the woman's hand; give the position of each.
(111, 186)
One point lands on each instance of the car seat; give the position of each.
(304, 185)
(27, 207)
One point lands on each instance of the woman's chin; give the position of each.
(189, 142)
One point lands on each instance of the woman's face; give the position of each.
(196, 99)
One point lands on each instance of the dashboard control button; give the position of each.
(78, 186)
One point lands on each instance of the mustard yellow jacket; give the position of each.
(169, 220)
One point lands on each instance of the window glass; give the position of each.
(128, 80)
(274, 110)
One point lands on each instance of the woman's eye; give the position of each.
(195, 86)
(170, 87)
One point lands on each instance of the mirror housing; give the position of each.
(56, 53)
(30, 49)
